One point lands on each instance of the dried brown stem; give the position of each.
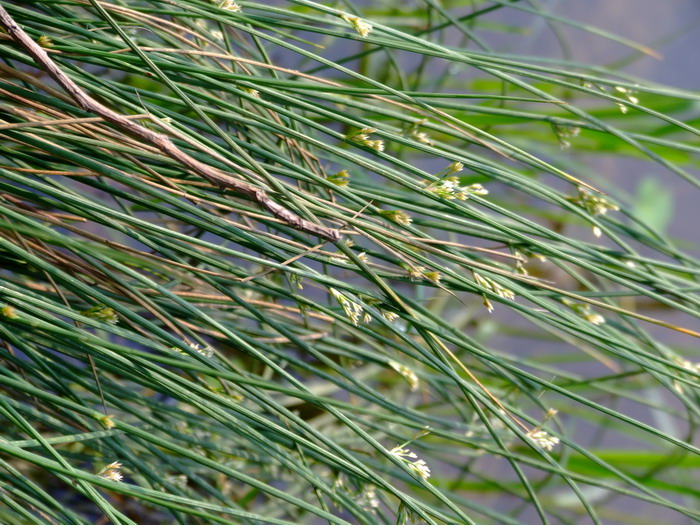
(158, 140)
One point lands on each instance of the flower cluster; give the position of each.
(111, 472)
(423, 138)
(455, 167)
(420, 136)
(688, 365)
(449, 188)
(342, 178)
(408, 374)
(207, 351)
(44, 41)
(418, 466)
(8, 312)
(353, 310)
(496, 288)
(106, 420)
(520, 262)
(584, 311)
(433, 276)
(593, 204)
(414, 272)
(340, 258)
(390, 316)
(542, 439)
(629, 95)
(102, 313)
(230, 5)
(397, 216)
(363, 137)
(362, 27)
(565, 134)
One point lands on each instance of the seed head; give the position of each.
(362, 27)
(408, 374)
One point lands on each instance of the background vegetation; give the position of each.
(437, 311)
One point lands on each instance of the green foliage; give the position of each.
(501, 335)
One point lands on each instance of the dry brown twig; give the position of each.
(158, 140)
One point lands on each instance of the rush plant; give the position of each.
(347, 263)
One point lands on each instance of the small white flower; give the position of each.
(476, 189)
(352, 310)
(455, 167)
(402, 453)
(594, 318)
(363, 27)
(449, 188)
(542, 439)
(390, 316)
(593, 204)
(584, 311)
(565, 133)
(492, 285)
(111, 472)
(421, 468)
(363, 137)
(207, 351)
(423, 138)
(418, 466)
(628, 95)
